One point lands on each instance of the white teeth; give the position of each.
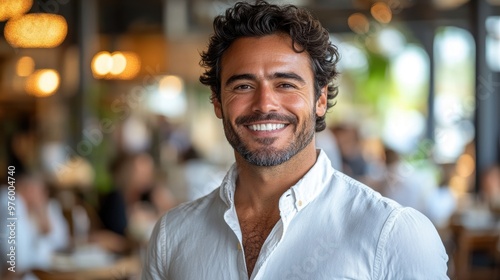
(266, 126)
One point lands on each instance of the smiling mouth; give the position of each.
(266, 126)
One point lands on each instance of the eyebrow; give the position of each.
(277, 75)
(235, 78)
(288, 75)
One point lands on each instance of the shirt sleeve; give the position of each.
(58, 237)
(410, 248)
(32, 252)
(155, 263)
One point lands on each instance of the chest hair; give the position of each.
(255, 232)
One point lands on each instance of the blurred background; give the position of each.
(106, 126)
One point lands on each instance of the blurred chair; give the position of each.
(476, 256)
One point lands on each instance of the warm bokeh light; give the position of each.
(381, 12)
(465, 166)
(48, 81)
(171, 85)
(25, 66)
(132, 67)
(14, 8)
(36, 31)
(43, 82)
(358, 23)
(458, 184)
(101, 64)
(118, 65)
(448, 4)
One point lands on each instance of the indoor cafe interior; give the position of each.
(104, 125)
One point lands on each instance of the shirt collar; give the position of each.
(304, 191)
(313, 182)
(229, 185)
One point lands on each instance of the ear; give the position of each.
(321, 104)
(217, 106)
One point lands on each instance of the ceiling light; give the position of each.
(36, 31)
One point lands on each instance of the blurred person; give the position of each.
(281, 207)
(200, 175)
(41, 229)
(490, 187)
(327, 141)
(132, 176)
(442, 203)
(73, 184)
(161, 196)
(153, 204)
(22, 146)
(354, 162)
(174, 139)
(408, 183)
(349, 142)
(134, 205)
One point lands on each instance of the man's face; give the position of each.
(267, 99)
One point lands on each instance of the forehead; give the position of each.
(264, 53)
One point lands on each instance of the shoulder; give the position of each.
(404, 222)
(405, 240)
(358, 198)
(355, 208)
(392, 216)
(409, 242)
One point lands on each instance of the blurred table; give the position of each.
(476, 232)
(91, 264)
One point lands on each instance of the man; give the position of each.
(282, 211)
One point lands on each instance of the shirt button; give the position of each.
(299, 203)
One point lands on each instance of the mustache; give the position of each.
(266, 117)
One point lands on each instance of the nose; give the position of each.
(265, 100)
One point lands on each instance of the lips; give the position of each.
(266, 122)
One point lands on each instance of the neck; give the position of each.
(259, 187)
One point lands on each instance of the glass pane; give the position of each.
(454, 92)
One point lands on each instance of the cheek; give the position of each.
(298, 105)
(234, 105)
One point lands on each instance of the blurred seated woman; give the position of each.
(137, 200)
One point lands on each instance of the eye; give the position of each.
(286, 86)
(242, 87)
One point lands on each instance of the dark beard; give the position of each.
(270, 156)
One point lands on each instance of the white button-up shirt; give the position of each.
(331, 227)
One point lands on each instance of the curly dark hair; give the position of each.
(260, 19)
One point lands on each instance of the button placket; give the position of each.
(268, 248)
